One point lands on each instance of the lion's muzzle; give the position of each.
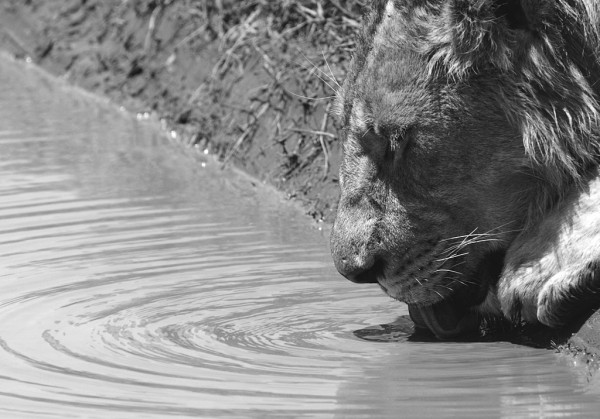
(354, 253)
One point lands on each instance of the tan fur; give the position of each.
(471, 155)
(548, 266)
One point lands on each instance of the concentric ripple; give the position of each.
(135, 283)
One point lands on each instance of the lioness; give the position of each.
(469, 181)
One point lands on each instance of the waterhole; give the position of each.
(136, 283)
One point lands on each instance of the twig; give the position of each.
(191, 36)
(342, 9)
(152, 27)
(246, 134)
(314, 132)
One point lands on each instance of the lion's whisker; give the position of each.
(464, 283)
(454, 265)
(317, 74)
(441, 296)
(310, 98)
(451, 257)
(471, 242)
(331, 78)
(473, 239)
(492, 232)
(331, 75)
(449, 271)
(459, 237)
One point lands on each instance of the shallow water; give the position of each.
(136, 283)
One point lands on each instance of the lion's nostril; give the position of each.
(367, 274)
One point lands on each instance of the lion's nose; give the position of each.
(354, 261)
(354, 246)
(360, 271)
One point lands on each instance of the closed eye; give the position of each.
(388, 144)
(399, 139)
(374, 144)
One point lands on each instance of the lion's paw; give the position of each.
(546, 294)
(519, 292)
(567, 295)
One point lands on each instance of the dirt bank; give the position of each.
(248, 80)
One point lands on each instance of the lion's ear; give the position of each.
(552, 272)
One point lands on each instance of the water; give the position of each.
(136, 283)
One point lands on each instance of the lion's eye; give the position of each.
(399, 139)
(396, 141)
(374, 144)
(387, 144)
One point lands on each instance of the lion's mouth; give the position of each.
(444, 319)
(454, 315)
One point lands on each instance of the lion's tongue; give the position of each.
(443, 319)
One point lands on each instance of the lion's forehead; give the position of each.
(398, 44)
(388, 29)
(390, 70)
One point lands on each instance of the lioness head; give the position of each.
(467, 123)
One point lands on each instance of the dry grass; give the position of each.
(303, 46)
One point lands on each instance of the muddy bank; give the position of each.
(249, 81)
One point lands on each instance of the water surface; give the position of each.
(136, 283)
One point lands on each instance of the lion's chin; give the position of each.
(444, 319)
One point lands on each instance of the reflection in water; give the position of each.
(134, 283)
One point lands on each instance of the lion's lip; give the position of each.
(444, 319)
(363, 278)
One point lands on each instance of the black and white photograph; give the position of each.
(337, 209)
